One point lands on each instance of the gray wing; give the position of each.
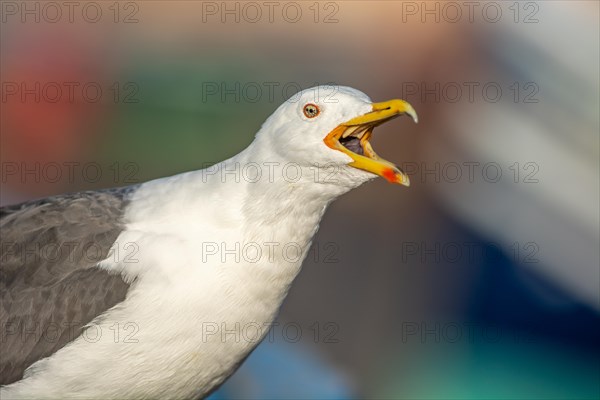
(48, 287)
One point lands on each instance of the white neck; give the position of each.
(278, 210)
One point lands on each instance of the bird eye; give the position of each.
(311, 110)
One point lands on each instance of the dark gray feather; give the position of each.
(49, 288)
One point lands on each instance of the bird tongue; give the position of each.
(353, 144)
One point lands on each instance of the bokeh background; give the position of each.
(481, 280)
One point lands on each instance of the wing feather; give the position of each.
(49, 286)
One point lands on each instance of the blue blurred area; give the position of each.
(285, 371)
(527, 302)
(521, 338)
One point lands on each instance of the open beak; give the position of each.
(352, 138)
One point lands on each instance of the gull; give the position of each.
(162, 289)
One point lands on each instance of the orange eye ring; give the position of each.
(311, 110)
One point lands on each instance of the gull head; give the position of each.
(330, 127)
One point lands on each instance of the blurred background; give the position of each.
(483, 282)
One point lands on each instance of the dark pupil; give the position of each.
(311, 110)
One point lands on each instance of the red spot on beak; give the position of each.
(390, 175)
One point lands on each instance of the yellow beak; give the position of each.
(352, 138)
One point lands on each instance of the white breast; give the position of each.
(191, 315)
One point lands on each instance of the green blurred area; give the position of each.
(172, 110)
(508, 370)
(176, 103)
